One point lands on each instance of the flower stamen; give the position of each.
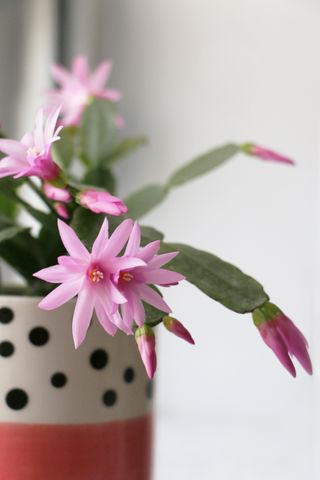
(95, 275)
(126, 276)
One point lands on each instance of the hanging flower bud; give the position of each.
(146, 344)
(282, 336)
(176, 327)
(57, 194)
(61, 210)
(265, 153)
(101, 202)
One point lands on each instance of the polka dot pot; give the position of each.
(69, 414)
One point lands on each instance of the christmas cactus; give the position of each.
(89, 241)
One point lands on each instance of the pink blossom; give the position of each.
(31, 156)
(265, 153)
(61, 210)
(101, 202)
(88, 275)
(57, 194)
(78, 87)
(283, 337)
(134, 282)
(146, 344)
(176, 327)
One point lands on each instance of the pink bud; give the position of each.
(283, 337)
(57, 194)
(101, 202)
(176, 327)
(61, 210)
(265, 153)
(146, 344)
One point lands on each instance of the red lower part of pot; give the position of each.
(110, 451)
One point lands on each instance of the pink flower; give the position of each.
(57, 194)
(265, 153)
(77, 87)
(176, 327)
(61, 210)
(101, 202)
(134, 282)
(146, 344)
(88, 275)
(31, 156)
(283, 337)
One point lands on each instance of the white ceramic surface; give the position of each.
(116, 388)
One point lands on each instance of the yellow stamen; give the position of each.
(126, 276)
(95, 275)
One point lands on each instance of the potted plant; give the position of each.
(75, 395)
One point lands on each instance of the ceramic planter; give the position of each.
(69, 414)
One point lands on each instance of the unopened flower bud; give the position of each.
(57, 194)
(61, 210)
(282, 336)
(101, 202)
(265, 153)
(146, 344)
(176, 327)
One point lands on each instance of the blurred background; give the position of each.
(198, 73)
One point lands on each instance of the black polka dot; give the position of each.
(6, 315)
(6, 349)
(39, 336)
(109, 398)
(58, 380)
(149, 390)
(99, 359)
(17, 399)
(128, 375)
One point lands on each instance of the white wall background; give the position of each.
(197, 73)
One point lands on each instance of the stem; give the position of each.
(154, 323)
(41, 195)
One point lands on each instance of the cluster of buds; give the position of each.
(146, 341)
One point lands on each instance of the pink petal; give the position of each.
(80, 68)
(119, 322)
(82, 315)
(159, 276)
(73, 264)
(101, 240)
(148, 295)
(50, 125)
(159, 260)
(14, 149)
(110, 94)
(274, 341)
(295, 341)
(118, 239)
(73, 245)
(104, 319)
(104, 298)
(55, 274)
(137, 309)
(134, 241)
(115, 294)
(147, 252)
(61, 295)
(127, 316)
(100, 75)
(125, 263)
